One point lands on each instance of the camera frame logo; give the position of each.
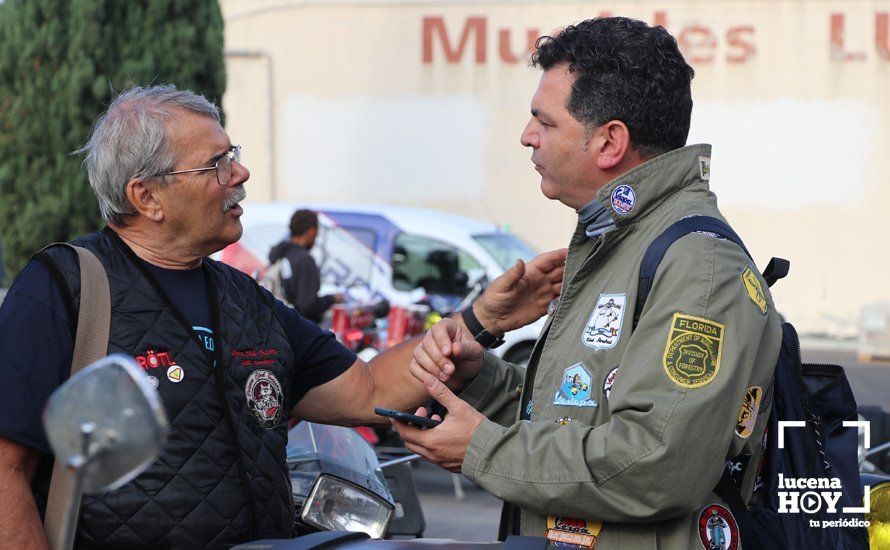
(812, 495)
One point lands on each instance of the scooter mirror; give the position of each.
(107, 422)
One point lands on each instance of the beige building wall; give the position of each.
(422, 103)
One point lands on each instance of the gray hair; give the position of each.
(130, 141)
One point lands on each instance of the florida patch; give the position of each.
(755, 290)
(717, 528)
(263, 393)
(748, 412)
(571, 531)
(574, 390)
(693, 350)
(604, 327)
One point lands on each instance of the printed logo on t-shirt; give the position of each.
(205, 335)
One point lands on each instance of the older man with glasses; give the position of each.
(169, 182)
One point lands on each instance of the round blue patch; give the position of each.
(623, 199)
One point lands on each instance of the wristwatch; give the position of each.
(482, 336)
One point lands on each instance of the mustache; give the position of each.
(238, 194)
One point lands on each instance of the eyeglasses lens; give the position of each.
(224, 165)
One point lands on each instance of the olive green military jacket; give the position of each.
(622, 434)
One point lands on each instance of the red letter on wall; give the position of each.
(531, 36)
(882, 35)
(698, 44)
(435, 25)
(838, 50)
(735, 39)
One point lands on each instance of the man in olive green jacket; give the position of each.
(621, 433)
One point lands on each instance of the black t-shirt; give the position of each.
(37, 342)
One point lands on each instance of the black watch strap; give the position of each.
(482, 336)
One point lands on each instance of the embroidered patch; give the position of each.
(693, 350)
(603, 329)
(610, 379)
(755, 290)
(263, 393)
(562, 421)
(717, 528)
(767, 398)
(748, 413)
(175, 374)
(623, 199)
(704, 168)
(575, 389)
(577, 532)
(736, 468)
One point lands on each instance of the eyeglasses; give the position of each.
(223, 166)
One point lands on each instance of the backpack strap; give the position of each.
(90, 345)
(657, 249)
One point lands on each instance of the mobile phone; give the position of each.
(409, 418)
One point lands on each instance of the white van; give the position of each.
(396, 253)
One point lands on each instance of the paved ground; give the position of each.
(475, 518)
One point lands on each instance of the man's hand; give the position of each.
(446, 444)
(522, 294)
(447, 353)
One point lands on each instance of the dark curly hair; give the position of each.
(302, 221)
(628, 71)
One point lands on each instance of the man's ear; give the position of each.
(143, 197)
(613, 141)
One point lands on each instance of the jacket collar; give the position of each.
(642, 189)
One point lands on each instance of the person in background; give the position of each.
(300, 277)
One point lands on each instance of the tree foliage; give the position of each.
(61, 62)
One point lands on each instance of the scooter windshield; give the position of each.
(337, 450)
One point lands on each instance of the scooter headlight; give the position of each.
(879, 516)
(337, 505)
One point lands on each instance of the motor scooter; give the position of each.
(107, 424)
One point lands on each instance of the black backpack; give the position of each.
(820, 447)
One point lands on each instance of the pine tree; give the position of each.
(61, 62)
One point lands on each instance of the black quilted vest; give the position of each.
(221, 478)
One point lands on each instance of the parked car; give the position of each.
(399, 254)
